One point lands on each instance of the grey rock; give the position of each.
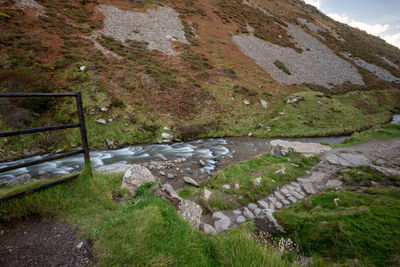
(41, 172)
(101, 121)
(309, 188)
(252, 206)
(162, 173)
(170, 191)
(257, 211)
(285, 191)
(167, 136)
(263, 204)
(191, 212)
(386, 171)
(278, 205)
(226, 186)
(190, 181)
(266, 222)
(257, 181)
(207, 194)
(202, 162)
(208, 229)
(237, 212)
(240, 219)
(170, 176)
(135, 176)
(20, 179)
(279, 195)
(333, 183)
(264, 103)
(110, 143)
(282, 147)
(297, 195)
(223, 222)
(292, 199)
(247, 213)
(348, 160)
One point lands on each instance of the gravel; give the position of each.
(378, 71)
(317, 64)
(28, 3)
(390, 63)
(157, 27)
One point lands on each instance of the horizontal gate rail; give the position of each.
(81, 125)
(37, 94)
(39, 188)
(34, 162)
(38, 130)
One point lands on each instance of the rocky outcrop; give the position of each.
(135, 176)
(282, 147)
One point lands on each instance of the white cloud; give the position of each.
(316, 3)
(393, 39)
(374, 29)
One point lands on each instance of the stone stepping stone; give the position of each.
(240, 219)
(237, 212)
(252, 206)
(263, 204)
(247, 213)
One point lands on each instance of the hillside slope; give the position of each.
(192, 69)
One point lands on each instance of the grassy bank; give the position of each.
(144, 231)
(320, 114)
(273, 172)
(362, 230)
(383, 132)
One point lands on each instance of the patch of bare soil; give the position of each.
(40, 242)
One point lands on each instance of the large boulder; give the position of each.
(191, 212)
(348, 160)
(282, 147)
(135, 176)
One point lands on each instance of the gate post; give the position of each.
(81, 116)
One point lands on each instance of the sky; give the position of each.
(377, 17)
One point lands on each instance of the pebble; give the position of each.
(170, 176)
(226, 186)
(190, 181)
(252, 206)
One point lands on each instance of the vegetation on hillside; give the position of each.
(198, 93)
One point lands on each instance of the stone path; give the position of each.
(384, 153)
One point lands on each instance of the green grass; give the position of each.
(363, 230)
(324, 115)
(144, 231)
(365, 176)
(383, 132)
(244, 174)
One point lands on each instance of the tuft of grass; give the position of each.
(282, 67)
(144, 231)
(244, 174)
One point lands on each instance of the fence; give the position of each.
(81, 125)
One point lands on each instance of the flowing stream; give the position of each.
(210, 150)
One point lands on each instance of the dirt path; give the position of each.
(38, 242)
(386, 154)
